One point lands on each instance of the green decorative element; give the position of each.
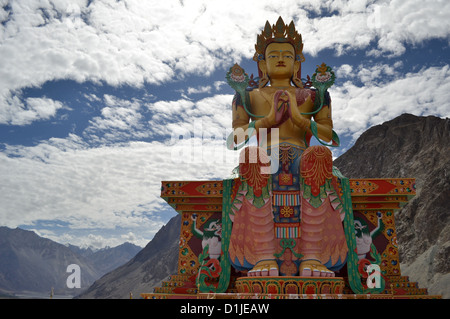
(225, 262)
(375, 254)
(206, 272)
(322, 80)
(238, 80)
(335, 142)
(247, 190)
(201, 259)
(257, 201)
(213, 268)
(236, 202)
(354, 277)
(288, 243)
(230, 139)
(316, 201)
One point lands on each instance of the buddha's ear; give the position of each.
(297, 65)
(296, 77)
(263, 78)
(263, 66)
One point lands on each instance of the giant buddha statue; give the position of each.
(287, 222)
(285, 217)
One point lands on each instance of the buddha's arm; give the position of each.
(324, 123)
(241, 122)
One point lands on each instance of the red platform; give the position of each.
(371, 198)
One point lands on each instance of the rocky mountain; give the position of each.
(31, 265)
(419, 147)
(106, 259)
(407, 146)
(147, 269)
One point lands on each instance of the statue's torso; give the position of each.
(262, 100)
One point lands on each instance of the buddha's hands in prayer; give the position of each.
(277, 110)
(284, 107)
(281, 104)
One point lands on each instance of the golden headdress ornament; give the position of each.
(281, 33)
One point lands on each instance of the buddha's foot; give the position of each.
(313, 268)
(264, 268)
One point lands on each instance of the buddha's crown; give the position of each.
(280, 33)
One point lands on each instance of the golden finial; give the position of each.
(323, 68)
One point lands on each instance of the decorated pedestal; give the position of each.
(285, 285)
(374, 202)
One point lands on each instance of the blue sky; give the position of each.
(94, 96)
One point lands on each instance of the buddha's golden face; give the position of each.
(280, 60)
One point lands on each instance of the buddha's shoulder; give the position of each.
(259, 95)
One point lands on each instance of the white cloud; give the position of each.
(344, 71)
(201, 89)
(355, 108)
(119, 120)
(171, 107)
(94, 188)
(17, 111)
(170, 117)
(398, 22)
(102, 187)
(376, 73)
(219, 84)
(135, 42)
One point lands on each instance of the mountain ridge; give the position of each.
(155, 262)
(32, 264)
(416, 147)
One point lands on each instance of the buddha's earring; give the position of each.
(297, 82)
(263, 80)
